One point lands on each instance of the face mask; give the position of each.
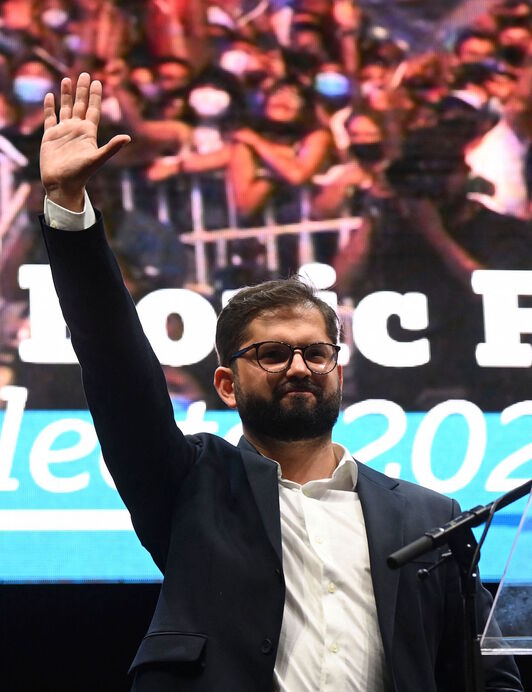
(31, 89)
(209, 102)
(332, 84)
(369, 88)
(72, 42)
(149, 91)
(235, 61)
(367, 153)
(513, 55)
(54, 18)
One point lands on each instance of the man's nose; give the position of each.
(298, 367)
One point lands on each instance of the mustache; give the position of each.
(301, 386)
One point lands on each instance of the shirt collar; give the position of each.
(344, 477)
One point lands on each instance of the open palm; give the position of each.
(69, 149)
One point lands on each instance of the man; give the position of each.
(273, 552)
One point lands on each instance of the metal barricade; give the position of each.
(199, 237)
(12, 199)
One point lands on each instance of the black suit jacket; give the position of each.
(208, 513)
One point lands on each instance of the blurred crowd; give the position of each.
(245, 114)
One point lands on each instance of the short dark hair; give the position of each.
(252, 301)
(468, 34)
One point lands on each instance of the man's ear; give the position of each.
(224, 383)
(341, 375)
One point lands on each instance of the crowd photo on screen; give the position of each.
(385, 145)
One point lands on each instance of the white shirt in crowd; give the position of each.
(500, 157)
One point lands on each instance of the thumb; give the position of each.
(112, 147)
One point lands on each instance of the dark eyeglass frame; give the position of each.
(293, 349)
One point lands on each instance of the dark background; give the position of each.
(81, 637)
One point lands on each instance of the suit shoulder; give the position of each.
(410, 491)
(208, 443)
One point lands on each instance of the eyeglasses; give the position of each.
(276, 356)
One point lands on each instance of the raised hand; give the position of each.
(69, 149)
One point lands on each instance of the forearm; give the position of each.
(123, 381)
(250, 192)
(457, 260)
(285, 165)
(329, 200)
(199, 163)
(251, 196)
(152, 130)
(350, 53)
(426, 219)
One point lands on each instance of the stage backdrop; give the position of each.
(271, 138)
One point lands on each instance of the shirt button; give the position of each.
(331, 588)
(334, 648)
(267, 646)
(319, 539)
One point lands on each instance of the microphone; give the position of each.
(465, 520)
(435, 537)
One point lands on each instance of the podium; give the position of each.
(509, 626)
(512, 606)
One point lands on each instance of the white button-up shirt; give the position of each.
(330, 638)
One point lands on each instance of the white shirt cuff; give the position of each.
(59, 217)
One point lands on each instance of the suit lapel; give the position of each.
(383, 515)
(262, 476)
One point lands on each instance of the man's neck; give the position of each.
(301, 461)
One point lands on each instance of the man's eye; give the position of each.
(317, 353)
(273, 354)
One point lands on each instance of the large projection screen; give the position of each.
(378, 148)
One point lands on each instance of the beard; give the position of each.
(289, 420)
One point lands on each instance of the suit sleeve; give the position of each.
(124, 384)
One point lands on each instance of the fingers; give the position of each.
(49, 111)
(65, 110)
(110, 149)
(81, 102)
(95, 102)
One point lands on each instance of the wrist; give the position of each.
(71, 200)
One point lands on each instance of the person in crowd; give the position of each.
(287, 145)
(18, 30)
(428, 237)
(335, 94)
(515, 41)
(501, 155)
(177, 28)
(356, 187)
(101, 30)
(474, 46)
(275, 158)
(366, 158)
(273, 552)
(31, 78)
(216, 102)
(258, 21)
(255, 68)
(500, 86)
